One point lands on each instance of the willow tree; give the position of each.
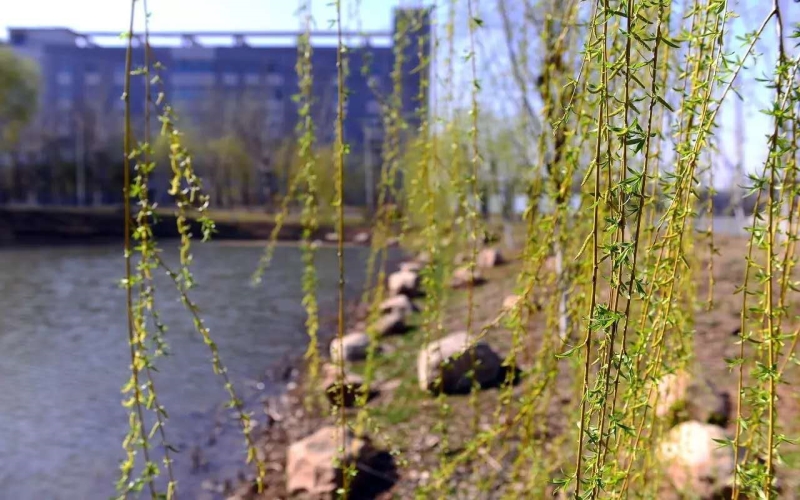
(19, 97)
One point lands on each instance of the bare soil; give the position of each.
(408, 421)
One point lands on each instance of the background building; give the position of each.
(217, 89)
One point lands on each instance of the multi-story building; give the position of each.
(241, 86)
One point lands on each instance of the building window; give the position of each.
(184, 79)
(64, 78)
(275, 80)
(278, 93)
(373, 107)
(230, 79)
(66, 154)
(252, 79)
(63, 125)
(92, 78)
(64, 104)
(274, 106)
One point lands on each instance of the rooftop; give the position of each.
(65, 36)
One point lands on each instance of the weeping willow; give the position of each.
(617, 110)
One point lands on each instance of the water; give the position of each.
(64, 357)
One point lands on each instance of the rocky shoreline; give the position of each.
(292, 432)
(299, 445)
(279, 419)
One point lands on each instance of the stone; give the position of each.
(355, 347)
(680, 397)
(488, 258)
(423, 258)
(510, 302)
(412, 266)
(403, 282)
(331, 380)
(391, 323)
(361, 237)
(451, 358)
(399, 303)
(314, 464)
(462, 277)
(694, 463)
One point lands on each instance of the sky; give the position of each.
(376, 15)
(177, 15)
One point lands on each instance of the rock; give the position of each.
(451, 358)
(315, 465)
(355, 347)
(423, 258)
(462, 277)
(400, 304)
(510, 302)
(403, 282)
(331, 381)
(488, 258)
(412, 266)
(680, 397)
(694, 463)
(430, 442)
(393, 322)
(311, 463)
(361, 237)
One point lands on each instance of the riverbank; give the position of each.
(422, 430)
(66, 225)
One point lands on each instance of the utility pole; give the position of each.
(80, 161)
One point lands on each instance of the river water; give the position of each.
(64, 358)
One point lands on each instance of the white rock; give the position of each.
(355, 347)
(392, 322)
(488, 258)
(694, 463)
(399, 303)
(331, 381)
(680, 396)
(451, 358)
(411, 265)
(403, 282)
(311, 463)
(462, 277)
(511, 301)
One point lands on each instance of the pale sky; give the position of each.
(267, 15)
(177, 15)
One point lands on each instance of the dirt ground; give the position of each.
(408, 422)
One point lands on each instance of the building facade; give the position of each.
(216, 88)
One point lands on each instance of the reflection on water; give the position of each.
(64, 355)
